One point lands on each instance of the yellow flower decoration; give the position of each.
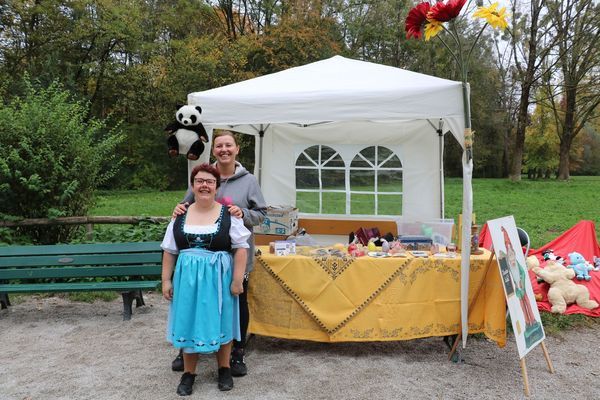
(432, 28)
(496, 18)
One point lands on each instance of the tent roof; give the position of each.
(335, 89)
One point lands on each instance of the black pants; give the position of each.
(244, 317)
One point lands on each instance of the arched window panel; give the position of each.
(304, 161)
(307, 178)
(360, 161)
(327, 153)
(389, 204)
(387, 159)
(370, 185)
(321, 181)
(389, 180)
(308, 202)
(333, 179)
(334, 162)
(370, 154)
(362, 180)
(334, 203)
(362, 203)
(313, 153)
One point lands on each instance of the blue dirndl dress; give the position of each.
(204, 314)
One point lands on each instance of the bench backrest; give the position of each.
(80, 260)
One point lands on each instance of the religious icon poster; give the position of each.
(522, 307)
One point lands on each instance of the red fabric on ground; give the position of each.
(582, 239)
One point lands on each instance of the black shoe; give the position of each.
(177, 364)
(225, 379)
(238, 366)
(185, 386)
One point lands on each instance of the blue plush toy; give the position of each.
(580, 266)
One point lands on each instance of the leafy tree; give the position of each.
(531, 43)
(301, 37)
(541, 144)
(52, 158)
(577, 24)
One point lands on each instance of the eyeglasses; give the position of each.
(200, 181)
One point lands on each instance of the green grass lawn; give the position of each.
(136, 203)
(544, 208)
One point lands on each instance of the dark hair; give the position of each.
(205, 167)
(223, 132)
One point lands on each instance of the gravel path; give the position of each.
(52, 348)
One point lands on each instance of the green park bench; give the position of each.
(125, 267)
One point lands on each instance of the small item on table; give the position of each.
(475, 240)
(285, 247)
(377, 254)
(451, 249)
(372, 246)
(358, 251)
(340, 247)
(419, 253)
(397, 249)
(385, 246)
(272, 247)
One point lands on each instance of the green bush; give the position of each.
(52, 158)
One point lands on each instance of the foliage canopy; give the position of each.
(52, 157)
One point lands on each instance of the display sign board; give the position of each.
(522, 307)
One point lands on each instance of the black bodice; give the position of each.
(217, 241)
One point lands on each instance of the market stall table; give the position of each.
(345, 299)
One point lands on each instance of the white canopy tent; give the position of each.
(349, 105)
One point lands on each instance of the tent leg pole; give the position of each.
(261, 135)
(441, 160)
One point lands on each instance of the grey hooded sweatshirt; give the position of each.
(241, 189)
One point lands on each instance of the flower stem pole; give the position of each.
(467, 113)
(428, 19)
(467, 212)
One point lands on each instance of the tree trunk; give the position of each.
(563, 165)
(517, 157)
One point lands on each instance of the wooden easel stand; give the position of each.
(522, 361)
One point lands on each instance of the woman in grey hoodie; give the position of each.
(240, 192)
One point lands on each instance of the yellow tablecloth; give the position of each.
(332, 299)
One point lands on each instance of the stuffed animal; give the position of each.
(562, 290)
(187, 134)
(580, 266)
(549, 255)
(596, 263)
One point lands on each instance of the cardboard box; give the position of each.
(279, 221)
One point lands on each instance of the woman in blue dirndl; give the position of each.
(204, 283)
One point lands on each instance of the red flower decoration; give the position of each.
(225, 201)
(416, 18)
(444, 12)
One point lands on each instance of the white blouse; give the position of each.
(238, 233)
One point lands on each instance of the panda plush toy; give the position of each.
(187, 134)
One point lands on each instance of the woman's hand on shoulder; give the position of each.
(236, 211)
(167, 290)
(237, 287)
(180, 209)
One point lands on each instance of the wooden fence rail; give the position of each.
(83, 221)
(89, 222)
